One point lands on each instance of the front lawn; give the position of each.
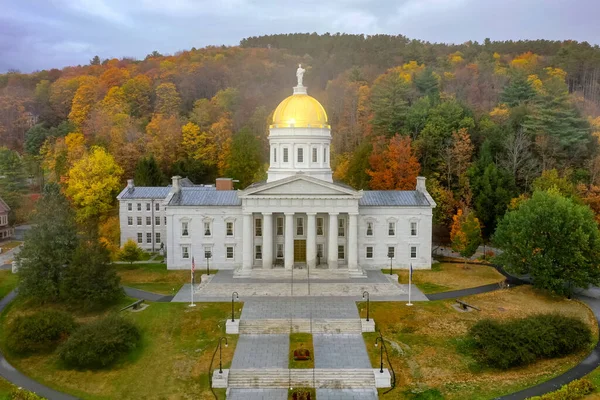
(444, 277)
(8, 281)
(429, 354)
(178, 343)
(154, 277)
(5, 389)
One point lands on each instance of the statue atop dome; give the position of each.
(300, 74)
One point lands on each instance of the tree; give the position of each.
(389, 101)
(95, 60)
(167, 99)
(518, 91)
(245, 159)
(465, 233)
(85, 97)
(12, 178)
(90, 280)
(356, 174)
(394, 167)
(137, 92)
(553, 239)
(48, 247)
(163, 140)
(130, 252)
(94, 181)
(428, 84)
(147, 172)
(35, 138)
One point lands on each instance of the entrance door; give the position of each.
(299, 250)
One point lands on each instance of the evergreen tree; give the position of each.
(147, 173)
(35, 138)
(518, 91)
(246, 158)
(13, 182)
(196, 170)
(95, 61)
(428, 85)
(389, 103)
(48, 247)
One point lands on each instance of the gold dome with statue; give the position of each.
(300, 110)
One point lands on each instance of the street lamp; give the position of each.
(236, 296)
(220, 353)
(367, 297)
(208, 255)
(380, 354)
(391, 256)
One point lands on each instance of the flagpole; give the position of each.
(410, 271)
(192, 278)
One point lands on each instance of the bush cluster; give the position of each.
(575, 390)
(523, 341)
(22, 394)
(39, 332)
(100, 343)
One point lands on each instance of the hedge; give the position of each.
(39, 332)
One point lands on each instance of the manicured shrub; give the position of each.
(39, 332)
(523, 341)
(575, 390)
(100, 343)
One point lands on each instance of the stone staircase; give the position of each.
(298, 325)
(300, 273)
(286, 378)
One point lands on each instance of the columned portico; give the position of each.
(353, 242)
(267, 253)
(332, 250)
(311, 240)
(289, 241)
(247, 242)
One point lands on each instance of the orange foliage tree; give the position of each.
(395, 167)
(465, 233)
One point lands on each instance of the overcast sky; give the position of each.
(42, 34)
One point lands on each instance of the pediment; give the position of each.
(299, 186)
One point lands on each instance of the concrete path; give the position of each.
(261, 351)
(347, 394)
(148, 296)
(454, 294)
(294, 307)
(9, 255)
(340, 351)
(258, 394)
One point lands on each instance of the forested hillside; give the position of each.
(486, 123)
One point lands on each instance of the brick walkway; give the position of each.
(347, 394)
(261, 351)
(294, 307)
(259, 394)
(340, 351)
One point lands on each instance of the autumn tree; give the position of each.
(465, 233)
(245, 159)
(85, 97)
(168, 101)
(12, 179)
(131, 252)
(137, 93)
(395, 166)
(94, 182)
(163, 140)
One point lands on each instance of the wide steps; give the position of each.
(285, 378)
(300, 325)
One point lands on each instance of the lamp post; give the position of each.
(208, 255)
(380, 353)
(367, 297)
(391, 256)
(234, 295)
(220, 353)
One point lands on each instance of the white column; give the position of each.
(247, 241)
(289, 241)
(353, 242)
(311, 240)
(332, 255)
(267, 240)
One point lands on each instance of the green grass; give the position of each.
(301, 341)
(5, 389)
(8, 281)
(154, 277)
(5, 246)
(178, 343)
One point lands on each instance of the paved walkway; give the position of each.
(347, 394)
(294, 307)
(261, 351)
(148, 296)
(258, 394)
(340, 351)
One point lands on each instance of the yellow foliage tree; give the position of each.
(456, 58)
(94, 181)
(198, 145)
(85, 97)
(526, 61)
(500, 114)
(536, 82)
(163, 139)
(110, 234)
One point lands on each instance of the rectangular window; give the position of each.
(139, 220)
(300, 155)
(279, 226)
(391, 252)
(184, 229)
(369, 229)
(207, 252)
(229, 229)
(149, 237)
(274, 155)
(129, 207)
(413, 251)
(413, 229)
(319, 226)
(341, 254)
(285, 154)
(300, 226)
(391, 229)
(341, 226)
(185, 252)
(147, 206)
(139, 206)
(157, 239)
(139, 235)
(319, 250)
(258, 227)
(258, 252)
(156, 220)
(129, 221)
(229, 251)
(279, 250)
(314, 154)
(165, 220)
(148, 220)
(369, 252)
(207, 229)
(157, 206)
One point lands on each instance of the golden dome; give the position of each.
(300, 111)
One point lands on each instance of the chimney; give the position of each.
(421, 184)
(224, 184)
(175, 180)
(130, 185)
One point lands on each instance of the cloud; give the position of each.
(99, 8)
(72, 47)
